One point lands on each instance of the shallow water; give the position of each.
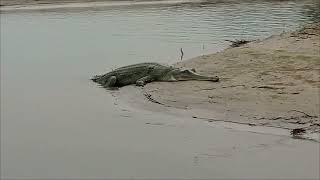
(56, 123)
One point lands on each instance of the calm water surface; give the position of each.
(56, 123)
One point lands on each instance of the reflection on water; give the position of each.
(54, 121)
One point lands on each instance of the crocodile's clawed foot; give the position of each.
(140, 83)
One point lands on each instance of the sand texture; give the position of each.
(274, 82)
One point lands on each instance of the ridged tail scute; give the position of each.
(95, 78)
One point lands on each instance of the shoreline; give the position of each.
(20, 5)
(274, 82)
(45, 4)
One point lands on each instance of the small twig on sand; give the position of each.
(304, 113)
(181, 54)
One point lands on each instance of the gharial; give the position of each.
(143, 73)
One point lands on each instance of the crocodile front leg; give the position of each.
(143, 81)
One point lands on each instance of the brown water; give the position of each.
(55, 123)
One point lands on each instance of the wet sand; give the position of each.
(273, 82)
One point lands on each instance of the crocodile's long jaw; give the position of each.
(188, 75)
(197, 78)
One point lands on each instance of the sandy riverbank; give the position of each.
(274, 82)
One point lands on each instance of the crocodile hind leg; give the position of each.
(110, 82)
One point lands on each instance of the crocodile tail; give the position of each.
(95, 78)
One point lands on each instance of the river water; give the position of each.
(55, 123)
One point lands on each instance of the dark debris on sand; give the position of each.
(238, 43)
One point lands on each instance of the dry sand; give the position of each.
(274, 82)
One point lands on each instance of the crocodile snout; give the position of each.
(215, 79)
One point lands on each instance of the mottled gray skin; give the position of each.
(143, 73)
